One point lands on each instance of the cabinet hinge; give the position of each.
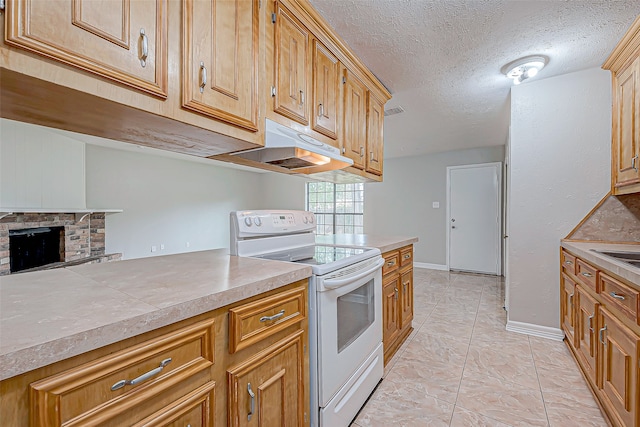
(273, 17)
(344, 80)
(259, 4)
(273, 91)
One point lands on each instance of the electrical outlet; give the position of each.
(154, 248)
(162, 246)
(435, 205)
(187, 244)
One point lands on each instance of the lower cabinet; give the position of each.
(599, 318)
(397, 299)
(187, 374)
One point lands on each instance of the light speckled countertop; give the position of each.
(586, 251)
(384, 243)
(48, 316)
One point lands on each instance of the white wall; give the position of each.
(402, 203)
(560, 168)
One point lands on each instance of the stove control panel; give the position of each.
(271, 222)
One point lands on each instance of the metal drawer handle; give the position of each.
(142, 377)
(591, 323)
(407, 256)
(396, 292)
(203, 77)
(391, 263)
(571, 299)
(601, 335)
(361, 151)
(617, 296)
(252, 395)
(274, 317)
(569, 262)
(145, 48)
(586, 274)
(404, 285)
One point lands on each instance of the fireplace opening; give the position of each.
(35, 247)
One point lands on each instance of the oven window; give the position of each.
(355, 314)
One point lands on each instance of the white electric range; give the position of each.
(345, 307)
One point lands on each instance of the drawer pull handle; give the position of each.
(616, 296)
(252, 395)
(591, 323)
(274, 317)
(143, 377)
(602, 335)
(587, 274)
(203, 77)
(391, 263)
(145, 48)
(396, 292)
(407, 256)
(569, 262)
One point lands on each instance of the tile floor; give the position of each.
(460, 367)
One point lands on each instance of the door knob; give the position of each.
(453, 220)
(453, 226)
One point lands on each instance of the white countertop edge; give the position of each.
(586, 251)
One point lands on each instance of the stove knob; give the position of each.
(311, 219)
(247, 221)
(257, 221)
(305, 220)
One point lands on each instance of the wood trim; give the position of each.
(587, 216)
(622, 54)
(122, 41)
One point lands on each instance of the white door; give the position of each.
(474, 227)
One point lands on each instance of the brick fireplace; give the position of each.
(82, 236)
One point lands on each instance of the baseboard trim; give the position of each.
(431, 266)
(535, 330)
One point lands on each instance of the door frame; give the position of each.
(498, 167)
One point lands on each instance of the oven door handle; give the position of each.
(336, 283)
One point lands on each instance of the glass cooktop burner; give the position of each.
(329, 254)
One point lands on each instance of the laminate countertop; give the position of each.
(587, 251)
(384, 243)
(48, 316)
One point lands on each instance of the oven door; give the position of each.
(349, 324)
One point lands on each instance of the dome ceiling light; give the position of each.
(524, 68)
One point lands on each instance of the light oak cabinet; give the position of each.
(603, 335)
(191, 373)
(397, 299)
(375, 134)
(220, 60)
(355, 119)
(122, 41)
(326, 91)
(624, 63)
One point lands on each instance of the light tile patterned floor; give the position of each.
(461, 368)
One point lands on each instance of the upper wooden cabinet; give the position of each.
(375, 136)
(124, 41)
(326, 91)
(220, 60)
(624, 63)
(291, 88)
(355, 119)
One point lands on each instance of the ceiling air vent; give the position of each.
(392, 111)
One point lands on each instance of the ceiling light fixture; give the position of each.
(524, 68)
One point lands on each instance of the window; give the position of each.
(339, 208)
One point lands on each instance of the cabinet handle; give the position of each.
(404, 286)
(320, 110)
(633, 163)
(252, 396)
(361, 151)
(569, 262)
(142, 377)
(617, 296)
(145, 48)
(391, 263)
(274, 317)
(591, 323)
(602, 335)
(301, 97)
(407, 256)
(371, 156)
(571, 299)
(203, 77)
(587, 274)
(396, 292)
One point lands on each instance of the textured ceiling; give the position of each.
(441, 59)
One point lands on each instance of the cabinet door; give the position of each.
(220, 60)
(586, 328)
(619, 370)
(391, 310)
(124, 41)
(627, 126)
(268, 388)
(326, 90)
(567, 307)
(355, 119)
(406, 298)
(292, 58)
(375, 137)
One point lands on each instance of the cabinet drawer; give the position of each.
(568, 262)
(586, 273)
(116, 383)
(619, 295)
(406, 256)
(255, 321)
(391, 262)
